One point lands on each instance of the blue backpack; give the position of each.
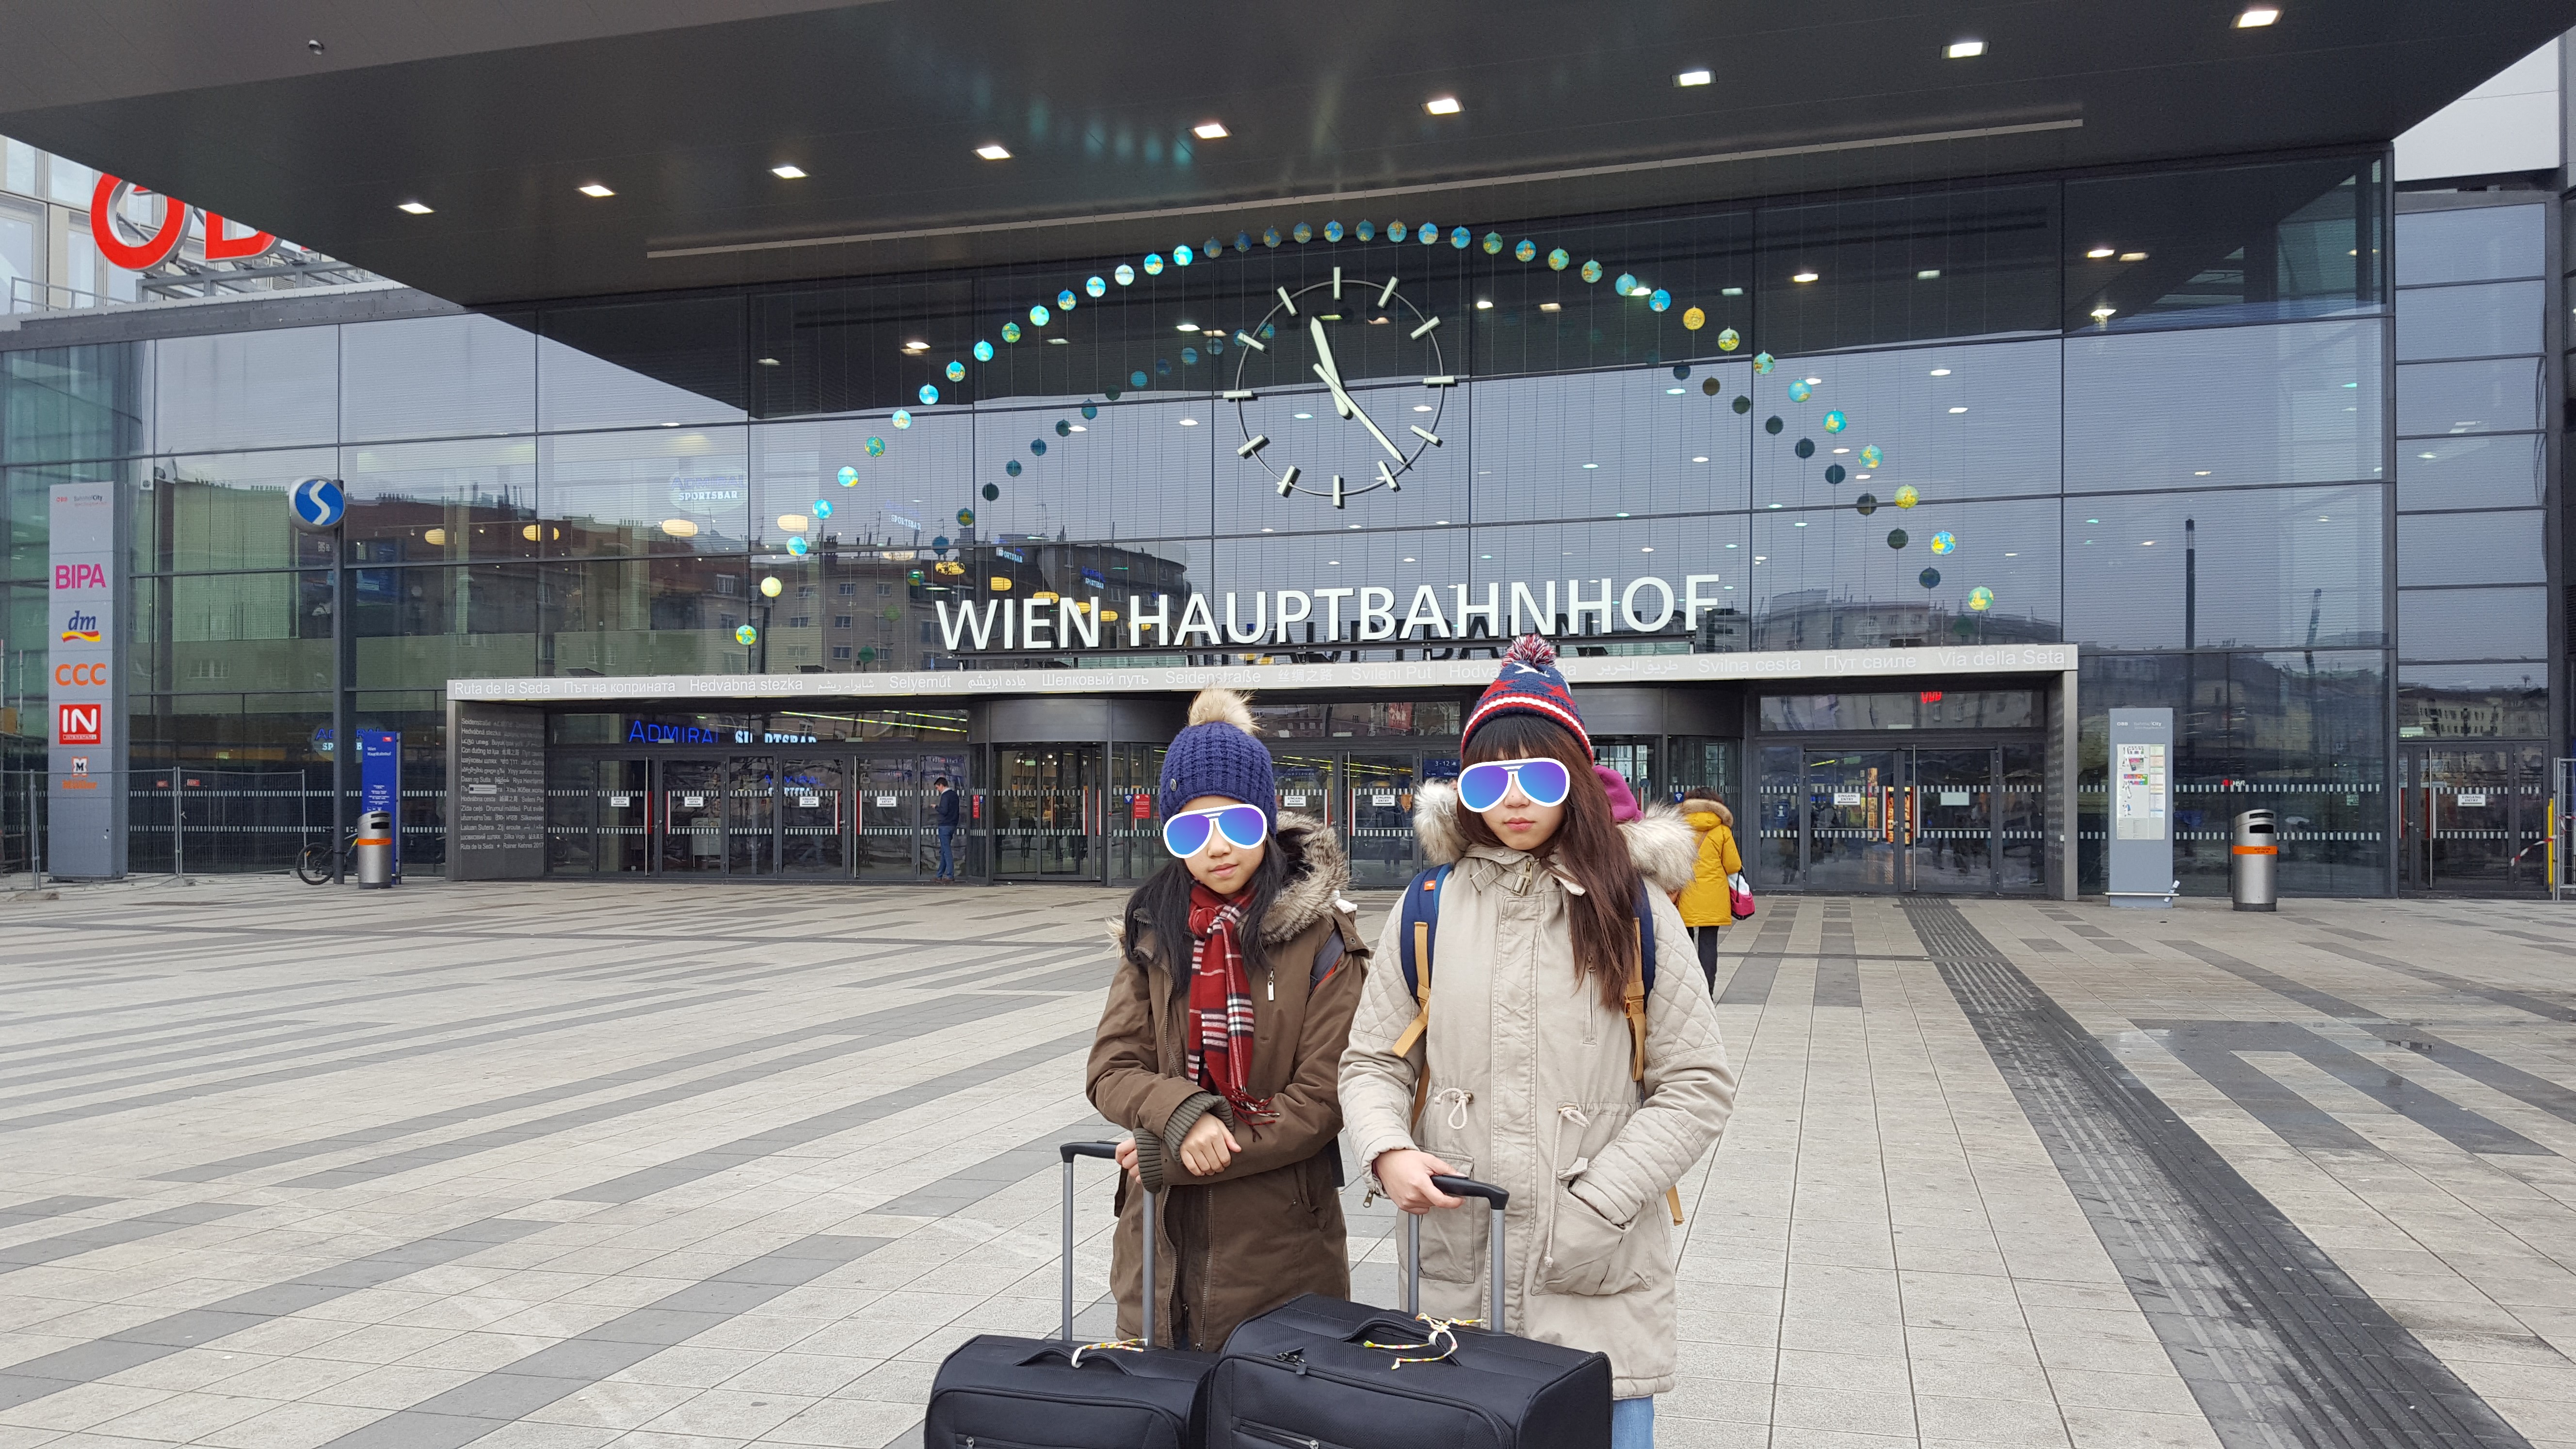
(1421, 917)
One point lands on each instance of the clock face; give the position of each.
(1334, 334)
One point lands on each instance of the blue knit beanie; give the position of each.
(1217, 755)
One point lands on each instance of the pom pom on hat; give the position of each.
(1529, 684)
(1223, 706)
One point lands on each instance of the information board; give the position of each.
(496, 757)
(2141, 787)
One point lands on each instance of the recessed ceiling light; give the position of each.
(414, 207)
(1079, 428)
(1591, 465)
(769, 362)
(1650, 548)
(1803, 277)
(2098, 253)
(2256, 17)
(1059, 342)
(1408, 560)
(916, 345)
(1674, 391)
(595, 189)
(1441, 105)
(1815, 382)
(1964, 49)
(1700, 459)
(1693, 78)
(1302, 417)
(1928, 274)
(1551, 306)
(1730, 291)
(1422, 407)
(993, 151)
(1189, 422)
(1210, 131)
(2103, 314)
(1484, 304)
(788, 172)
(2203, 473)
(1187, 327)
(2133, 256)
(1958, 410)
(1940, 372)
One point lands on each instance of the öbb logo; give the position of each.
(68, 577)
(107, 227)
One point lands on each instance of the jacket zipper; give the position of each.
(1295, 1362)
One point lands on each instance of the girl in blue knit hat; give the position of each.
(1221, 1044)
(1542, 1057)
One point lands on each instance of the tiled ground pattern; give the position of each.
(523, 1166)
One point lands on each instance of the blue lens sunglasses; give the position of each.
(1189, 832)
(1481, 787)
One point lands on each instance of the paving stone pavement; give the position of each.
(550, 1166)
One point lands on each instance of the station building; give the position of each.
(1857, 476)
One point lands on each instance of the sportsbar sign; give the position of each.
(1643, 605)
(108, 227)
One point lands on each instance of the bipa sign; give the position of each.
(71, 576)
(108, 226)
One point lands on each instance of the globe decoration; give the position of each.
(1395, 231)
(771, 588)
(1090, 411)
(822, 508)
(1906, 497)
(1125, 274)
(1866, 504)
(1212, 247)
(1365, 231)
(965, 518)
(1681, 370)
(746, 636)
(1557, 259)
(1806, 447)
(1763, 362)
(1270, 237)
(849, 476)
(1302, 232)
(1332, 231)
(1627, 283)
(1729, 340)
(1660, 301)
(1693, 319)
(1930, 578)
(798, 546)
(1096, 287)
(1772, 425)
(1493, 243)
(1010, 332)
(1981, 598)
(940, 542)
(929, 395)
(1870, 456)
(1896, 538)
(1461, 238)
(1799, 391)
(1153, 264)
(1189, 357)
(1591, 271)
(1834, 473)
(902, 419)
(1181, 256)
(1945, 542)
(1063, 429)
(956, 372)
(1527, 250)
(992, 491)
(1711, 387)
(1834, 422)
(1064, 300)
(1138, 378)
(1743, 404)
(1012, 467)
(983, 351)
(1038, 316)
(1037, 447)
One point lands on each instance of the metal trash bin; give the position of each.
(374, 850)
(2255, 881)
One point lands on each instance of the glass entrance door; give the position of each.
(886, 809)
(692, 840)
(1378, 803)
(751, 815)
(814, 819)
(1957, 820)
(1306, 784)
(962, 843)
(2473, 820)
(1049, 804)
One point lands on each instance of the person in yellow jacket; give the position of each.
(1706, 902)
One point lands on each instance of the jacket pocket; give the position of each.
(1588, 1255)
(1453, 1239)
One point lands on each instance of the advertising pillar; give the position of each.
(380, 781)
(2141, 844)
(85, 689)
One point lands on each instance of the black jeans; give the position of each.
(1706, 936)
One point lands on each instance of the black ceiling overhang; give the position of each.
(494, 116)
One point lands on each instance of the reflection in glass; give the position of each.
(2471, 548)
(2440, 624)
(2272, 567)
(2290, 404)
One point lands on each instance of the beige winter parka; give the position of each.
(1530, 1090)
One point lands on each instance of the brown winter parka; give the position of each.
(1269, 1227)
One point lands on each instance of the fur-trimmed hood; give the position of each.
(1662, 844)
(1319, 875)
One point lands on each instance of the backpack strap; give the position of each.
(1421, 928)
(1633, 994)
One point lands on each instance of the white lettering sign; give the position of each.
(2472, 798)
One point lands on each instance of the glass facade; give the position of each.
(2152, 415)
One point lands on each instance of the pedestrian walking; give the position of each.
(947, 827)
(1528, 1074)
(1221, 1044)
(1708, 902)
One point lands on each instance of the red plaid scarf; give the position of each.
(1219, 1055)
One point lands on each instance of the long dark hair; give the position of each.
(1587, 846)
(1160, 908)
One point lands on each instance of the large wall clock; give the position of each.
(1321, 331)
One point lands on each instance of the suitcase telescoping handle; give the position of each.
(1069, 1151)
(1495, 1200)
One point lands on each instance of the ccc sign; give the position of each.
(108, 228)
(73, 675)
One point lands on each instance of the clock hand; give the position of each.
(1326, 369)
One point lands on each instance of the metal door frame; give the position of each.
(1905, 750)
(2415, 841)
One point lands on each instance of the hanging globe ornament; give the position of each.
(1772, 425)
(1302, 233)
(746, 636)
(771, 588)
(1365, 231)
(1037, 447)
(1763, 362)
(1557, 259)
(1428, 234)
(1729, 340)
(1896, 538)
(983, 351)
(1906, 497)
(1627, 283)
(1743, 404)
(956, 372)
(1833, 422)
(1090, 411)
(1527, 250)
(1153, 264)
(1064, 300)
(1870, 456)
(1181, 256)
(992, 491)
(902, 419)
(1493, 243)
(1038, 316)
(1660, 301)
(1332, 231)
(1930, 578)
(929, 395)
(1461, 238)
(1395, 231)
(1212, 248)
(822, 508)
(1945, 542)
(1867, 504)
(940, 542)
(1693, 319)
(1806, 448)
(1012, 467)
(1981, 598)
(1125, 274)
(798, 546)
(1063, 429)
(848, 475)
(1096, 287)
(1591, 272)
(1270, 236)
(1010, 332)
(1834, 473)
(965, 518)
(1799, 391)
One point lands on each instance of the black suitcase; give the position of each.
(997, 1392)
(1305, 1376)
